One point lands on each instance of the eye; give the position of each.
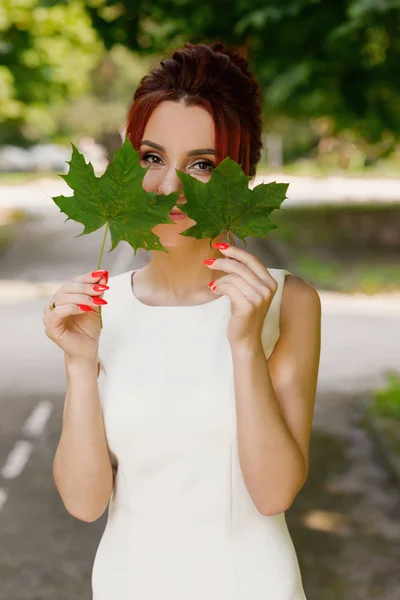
(147, 156)
(208, 164)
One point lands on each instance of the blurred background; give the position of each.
(331, 109)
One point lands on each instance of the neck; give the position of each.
(181, 274)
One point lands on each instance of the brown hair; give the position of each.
(217, 78)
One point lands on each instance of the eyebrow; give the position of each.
(191, 153)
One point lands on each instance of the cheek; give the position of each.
(203, 177)
(151, 181)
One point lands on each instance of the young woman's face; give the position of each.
(176, 137)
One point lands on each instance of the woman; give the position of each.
(197, 430)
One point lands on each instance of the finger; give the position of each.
(257, 296)
(231, 265)
(73, 298)
(49, 313)
(53, 319)
(72, 287)
(250, 260)
(82, 284)
(92, 276)
(234, 293)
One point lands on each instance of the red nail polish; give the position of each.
(211, 284)
(220, 245)
(100, 273)
(100, 288)
(209, 261)
(85, 307)
(99, 301)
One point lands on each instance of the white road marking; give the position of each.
(3, 497)
(37, 420)
(17, 459)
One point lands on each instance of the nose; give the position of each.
(169, 182)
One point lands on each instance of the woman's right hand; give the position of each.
(77, 330)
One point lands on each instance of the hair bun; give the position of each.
(238, 56)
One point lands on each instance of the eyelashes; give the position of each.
(209, 164)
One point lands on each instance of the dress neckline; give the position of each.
(186, 308)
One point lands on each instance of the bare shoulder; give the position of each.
(298, 285)
(299, 327)
(299, 297)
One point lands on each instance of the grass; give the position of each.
(386, 401)
(308, 168)
(26, 177)
(350, 277)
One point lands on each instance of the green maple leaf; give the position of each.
(117, 199)
(226, 203)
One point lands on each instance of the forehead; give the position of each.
(173, 124)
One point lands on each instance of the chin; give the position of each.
(169, 233)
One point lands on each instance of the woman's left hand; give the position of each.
(251, 289)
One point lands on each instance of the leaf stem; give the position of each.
(99, 263)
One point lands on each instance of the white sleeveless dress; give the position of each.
(181, 523)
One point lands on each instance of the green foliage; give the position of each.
(226, 203)
(312, 58)
(387, 400)
(117, 199)
(313, 269)
(47, 52)
(103, 109)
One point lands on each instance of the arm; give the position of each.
(82, 468)
(275, 401)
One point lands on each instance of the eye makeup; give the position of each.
(209, 163)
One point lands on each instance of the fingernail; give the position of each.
(85, 307)
(220, 245)
(100, 288)
(101, 273)
(211, 284)
(209, 261)
(99, 301)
